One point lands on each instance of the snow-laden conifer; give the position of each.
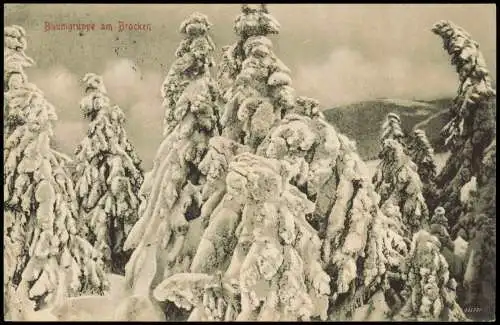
(259, 258)
(472, 125)
(315, 157)
(397, 181)
(422, 154)
(430, 292)
(194, 58)
(168, 231)
(255, 84)
(391, 129)
(107, 176)
(372, 238)
(478, 227)
(46, 258)
(353, 230)
(471, 137)
(14, 63)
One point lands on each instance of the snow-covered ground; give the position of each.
(114, 306)
(86, 308)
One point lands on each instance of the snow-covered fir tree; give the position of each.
(479, 278)
(166, 237)
(397, 181)
(478, 226)
(107, 175)
(361, 256)
(422, 154)
(255, 83)
(419, 150)
(235, 271)
(214, 165)
(194, 59)
(468, 178)
(271, 246)
(430, 291)
(249, 81)
(45, 256)
(14, 63)
(391, 129)
(216, 288)
(416, 145)
(472, 126)
(439, 227)
(479, 194)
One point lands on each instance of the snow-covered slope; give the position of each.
(406, 103)
(361, 121)
(86, 308)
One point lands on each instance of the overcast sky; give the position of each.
(337, 53)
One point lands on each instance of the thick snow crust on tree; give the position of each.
(256, 208)
(430, 292)
(292, 228)
(391, 129)
(320, 145)
(46, 258)
(472, 127)
(194, 59)
(352, 228)
(255, 84)
(417, 147)
(422, 154)
(164, 240)
(108, 175)
(397, 181)
(273, 261)
(471, 135)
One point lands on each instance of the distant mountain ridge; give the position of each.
(362, 121)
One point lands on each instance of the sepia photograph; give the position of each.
(249, 162)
